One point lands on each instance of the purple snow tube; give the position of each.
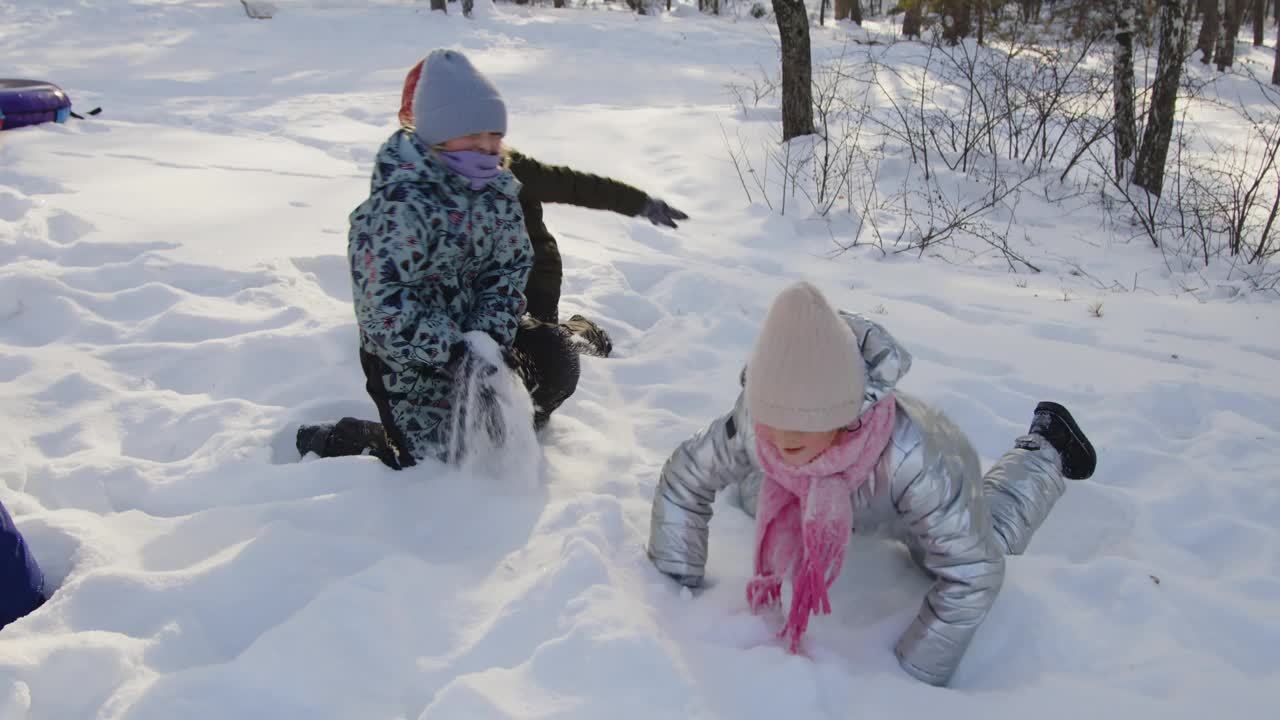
(30, 102)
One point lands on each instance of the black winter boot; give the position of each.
(1055, 424)
(587, 337)
(348, 436)
(546, 359)
(313, 438)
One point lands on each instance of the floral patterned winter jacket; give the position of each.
(431, 259)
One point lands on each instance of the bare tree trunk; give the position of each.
(1148, 172)
(913, 19)
(1030, 10)
(980, 7)
(1275, 67)
(797, 68)
(848, 10)
(438, 5)
(822, 13)
(1211, 11)
(1226, 53)
(1125, 120)
(958, 25)
(1259, 22)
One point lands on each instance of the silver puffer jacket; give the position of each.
(928, 490)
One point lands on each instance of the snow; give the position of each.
(174, 303)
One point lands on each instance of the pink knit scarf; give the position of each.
(804, 516)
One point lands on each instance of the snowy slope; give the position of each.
(174, 302)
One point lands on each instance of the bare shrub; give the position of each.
(1223, 196)
(966, 131)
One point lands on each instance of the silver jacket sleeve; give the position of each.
(703, 465)
(937, 492)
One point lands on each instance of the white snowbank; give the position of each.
(174, 302)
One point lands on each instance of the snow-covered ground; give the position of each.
(174, 302)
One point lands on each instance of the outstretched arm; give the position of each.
(560, 184)
(702, 466)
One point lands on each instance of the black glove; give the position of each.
(522, 365)
(511, 357)
(660, 213)
(463, 363)
(457, 358)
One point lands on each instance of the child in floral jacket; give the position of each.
(439, 249)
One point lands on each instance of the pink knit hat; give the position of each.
(806, 372)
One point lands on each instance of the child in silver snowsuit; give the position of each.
(816, 377)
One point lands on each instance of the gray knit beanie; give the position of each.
(454, 99)
(806, 372)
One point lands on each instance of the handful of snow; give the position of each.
(492, 432)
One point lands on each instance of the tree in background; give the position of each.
(797, 68)
(1211, 18)
(849, 10)
(1126, 128)
(1031, 9)
(913, 17)
(1275, 67)
(1148, 171)
(957, 23)
(1259, 22)
(1226, 53)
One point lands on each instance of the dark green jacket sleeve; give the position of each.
(559, 184)
(549, 183)
(543, 288)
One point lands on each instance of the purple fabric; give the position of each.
(21, 582)
(28, 102)
(475, 166)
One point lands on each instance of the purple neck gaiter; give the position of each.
(477, 167)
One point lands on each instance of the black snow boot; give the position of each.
(587, 337)
(1055, 424)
